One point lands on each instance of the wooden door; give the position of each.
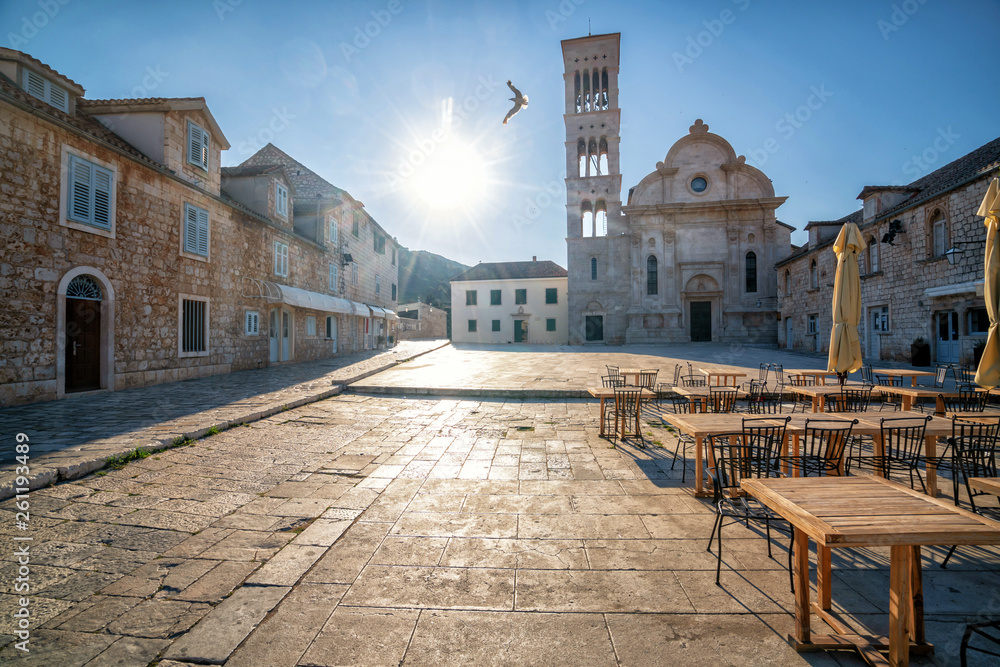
(595, 328)
(286, 336)
(701, 321)
(83, 345)
(948, 345)
(273, 336)
(519, 330)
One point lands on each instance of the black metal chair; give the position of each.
(609, 382)
(902, 441)
(694, 381)
(647, 378)
(888, 380)
(821, 448)
(684, 405)
(973, 454)
(761, 401)
(626, 410)
(738, 456)
(940, 377)
(849, 400)
(867, 375)
(722, 399)
(987, 634)
(968, 400)
(888, 398)
(762, 373)
(801, 400)
(613, 371)
(964, 375)
(779, 374)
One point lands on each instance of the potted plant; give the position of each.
(977, 351)
(920, 352)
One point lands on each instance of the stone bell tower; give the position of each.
(597, 248)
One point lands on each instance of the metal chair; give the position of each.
(684, 405)
(663, 388)
(779, 374)
(762, 373)
(888, 381)
(964, 375)
(888, 398)
(609, 382)
(802, 401)
(867, 375)
(626, 409)
(940, 376)
(761, 401)
(982, 633)
(613, 371)
(694, 381)
(822, 447)
(902, 447)
(647, 378)
(738, 456)
(968, 400)
(973, 454)
(722, 399)
(849, 400)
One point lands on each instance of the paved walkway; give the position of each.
(364, 530)
(75, 436)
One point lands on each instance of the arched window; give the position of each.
(578, 92)
(586, 91)
(601, 219)
(84, 287)
(587, 219)
(604, 88)
(813, 276)
(873, 255)
(788, 282)
(593, 268)
(581, 157)
(939, 234)
(651, 282)
(596, 76)
(751, 272)
(602, 151)
(594, 167)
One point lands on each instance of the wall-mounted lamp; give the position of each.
(954, 251)
(895, 227)
(758, 303)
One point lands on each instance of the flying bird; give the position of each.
(520, 101)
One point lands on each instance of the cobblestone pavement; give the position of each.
(75, 436)
(363, 530)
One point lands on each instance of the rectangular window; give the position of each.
(197, 146)
(520, 297)
(551, 295)
(979, 321)
(379, 242)
(195, 230)
(354, 273)
(356, 225)
(940, 238)
(91, 193)
(394, 255)
(194, 326)
(394, 291)
(40, 87)
(495, 297)
(496, 325)
(280, 258)
(333, 277)
(334, 231)
(252, 323)
(550, 324)
(311, 325)
(281, 199)
(378, 284)
(472, 326)
(811, 328)
(471, 297)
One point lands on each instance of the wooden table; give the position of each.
(604, 393)
(910, 393)
(819, 376)
(986, 484)
(720, 375)
(820, 392)
(845, 512)
(702, 394)
(903, 373)
(700, 426)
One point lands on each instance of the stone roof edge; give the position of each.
(149, 164)
(25, 59)
(726, 203)
(140, 105)
(482, 280)
(985, 172)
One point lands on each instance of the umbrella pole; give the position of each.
(842, 377)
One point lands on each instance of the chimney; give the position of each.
(534, 258)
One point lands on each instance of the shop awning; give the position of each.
(301, 298)
(391, 315)
(359, 309)
(377, 312)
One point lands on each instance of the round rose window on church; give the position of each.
(699, 184)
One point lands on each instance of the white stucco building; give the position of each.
(510, 302)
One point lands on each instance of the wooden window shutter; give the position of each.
(103, 180)
(197, 146)
(202, 232)
(80, 188)
(34, 84)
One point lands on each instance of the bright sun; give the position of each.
(453, 175)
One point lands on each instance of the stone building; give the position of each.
(921, 274)
(422, 321)
(510, 302)
(130, 258)
(654, 270)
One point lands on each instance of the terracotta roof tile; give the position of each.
(512, 271)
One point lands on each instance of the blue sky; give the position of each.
(358, 91)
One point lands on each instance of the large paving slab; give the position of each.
(365, 537)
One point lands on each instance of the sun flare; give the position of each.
(453, 175)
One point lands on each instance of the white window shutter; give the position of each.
(34, 84)
(58, 97)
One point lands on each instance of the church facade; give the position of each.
(690, 255)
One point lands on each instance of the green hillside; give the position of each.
(424, 276)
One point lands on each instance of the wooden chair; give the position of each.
(738, 456)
